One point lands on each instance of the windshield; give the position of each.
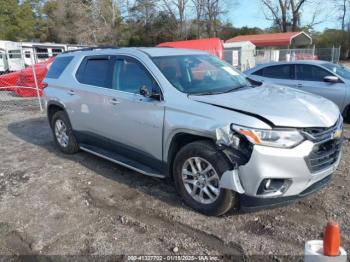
(339, 70)
(200, 74)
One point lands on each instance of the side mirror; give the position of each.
(254, 82)
(146, 92)
(331, 79)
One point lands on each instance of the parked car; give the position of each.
(323, 78)
(185, 114)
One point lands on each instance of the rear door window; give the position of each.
(279, 71)
(96, 71)
(58, 66)
(311, 73)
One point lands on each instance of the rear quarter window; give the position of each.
(58, 66)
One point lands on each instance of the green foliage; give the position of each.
(334, 37)
(16, 20)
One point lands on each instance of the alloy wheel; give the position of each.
(201, 181)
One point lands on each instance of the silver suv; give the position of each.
(187, 115)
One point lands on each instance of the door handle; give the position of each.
(299, 85)
(114, 101)
(71, 92)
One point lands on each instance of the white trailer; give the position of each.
(3, 62)
(11, 56)
(40, 52)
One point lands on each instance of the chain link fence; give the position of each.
(246, 59)
(21, 84)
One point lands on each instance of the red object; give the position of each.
(8, 82)
(23, 83)
(331, 240)
(211, 45)
(276, 39)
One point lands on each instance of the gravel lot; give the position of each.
(55, 204)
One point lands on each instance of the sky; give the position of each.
(248, 13)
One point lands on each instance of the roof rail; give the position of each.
(91, 48)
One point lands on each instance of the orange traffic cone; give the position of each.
(328, 249)
(331, 240)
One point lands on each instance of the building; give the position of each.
(289, 40)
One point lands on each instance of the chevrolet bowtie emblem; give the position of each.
(337, 134)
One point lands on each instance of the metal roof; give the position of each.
(275, 39)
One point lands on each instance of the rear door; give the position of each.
(90, 97)
(277, 74)
(310, 78)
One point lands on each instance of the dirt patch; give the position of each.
(51, 203)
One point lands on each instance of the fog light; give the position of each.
(273, 187)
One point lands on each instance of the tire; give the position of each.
(70, 146)
(203, 150)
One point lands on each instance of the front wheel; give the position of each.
(197, 170)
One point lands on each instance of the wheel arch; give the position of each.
(346, 113)
(178, 141)
(53, 107)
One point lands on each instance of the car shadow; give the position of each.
(37, 131)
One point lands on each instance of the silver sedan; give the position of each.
(323, 78)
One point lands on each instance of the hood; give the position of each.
(278, 106)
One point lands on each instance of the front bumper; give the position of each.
(292, 164)
(308, 167)
(249, 203)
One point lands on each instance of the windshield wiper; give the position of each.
(218, 93)
(236, 88)
(206, 93)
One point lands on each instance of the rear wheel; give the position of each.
(63, 133)
(197, 170)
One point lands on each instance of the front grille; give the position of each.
(324, 155)
(318, 134)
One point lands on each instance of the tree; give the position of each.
(177, 8)
(343, 7)
(286, 14)
(212, 10)
(16, 20)
(199, 14)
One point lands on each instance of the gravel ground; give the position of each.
(55, 204)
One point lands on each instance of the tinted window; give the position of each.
(280, 72)
(259, 72)
(311, 73)
(95, 71)
(130, 76)
(58, 66)
(42, 53)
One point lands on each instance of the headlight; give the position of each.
(284, 138)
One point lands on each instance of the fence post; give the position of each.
(332, 54)
(36, 82)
